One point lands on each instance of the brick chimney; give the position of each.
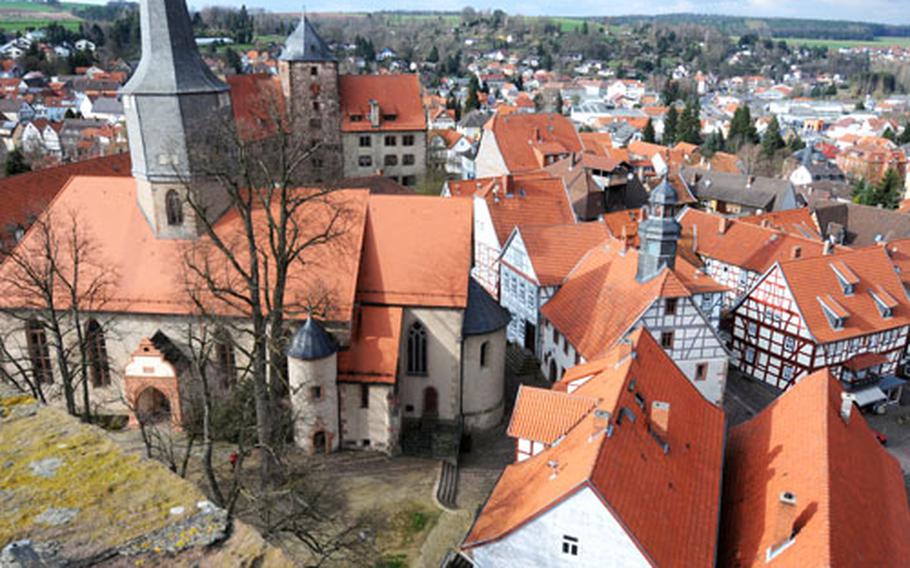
(828, 247)
(374, 113)
(660, 418)
(722, 225)
(796, 252)
(846, 406)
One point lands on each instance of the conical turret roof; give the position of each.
(306, 45)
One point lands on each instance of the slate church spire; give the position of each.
(659, 233)
(175, 108)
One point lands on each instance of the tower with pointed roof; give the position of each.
(176, 108)
(659, 233)
(309, 81)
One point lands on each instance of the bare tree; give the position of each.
(51, 281)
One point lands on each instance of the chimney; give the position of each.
(554, 468)
(796, 252)
(749, 180)
(660, 418)
(722, 225)
(846, 406)
(828, 247)
(694, 238)
(765, 223)
(783, 523)
(374, 113)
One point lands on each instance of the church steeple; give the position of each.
(176, 110)
(659, 233)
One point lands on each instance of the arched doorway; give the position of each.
(552, 371)
(430, 402)
(153, 406)
(320, 442)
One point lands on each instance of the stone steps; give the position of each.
(447, 490)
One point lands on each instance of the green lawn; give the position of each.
(883, 41)
(24, 25)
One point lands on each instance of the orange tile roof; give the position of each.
(597, 143)
(646, 488)
(451, 137)
(812, 278)
(517, 135)
(601, 300)
(147, 274)
(526, 199)
(27, 195)
(544, 415)
(397, 95)
(258, 104)
(416, 251)
(851, 504)
(799, 222)
(555, 249)
(744, 244)
(373, 354)
(624, 224)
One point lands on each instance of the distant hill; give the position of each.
(774, 27)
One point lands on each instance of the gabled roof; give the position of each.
(798, 222)
(759, 192)
(555, 249)
(601, 299)
(147, 274)
(668, 501)
(304, 44)
(742, 243)
(813, 279)
(525, 139)
(862, 225)
(397, 95)
(851, 503)
(25, 196)
(545, 415)
(526, 199)
(416, 252)
(375, 344)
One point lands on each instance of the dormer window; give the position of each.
(389, 117)
(356, 117)
(884, 301)
(173, 208)
(834, 312)
(845, 277)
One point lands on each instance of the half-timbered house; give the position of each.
(535, 261)
(829, 311)
(615, 289)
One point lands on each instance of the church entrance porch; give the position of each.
(153, 407)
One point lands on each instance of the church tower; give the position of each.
(176, 110)
(659, 233)
(309, 81)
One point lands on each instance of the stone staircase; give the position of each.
(520, 362)
(447, 489)
(430, 438)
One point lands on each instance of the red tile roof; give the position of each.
(147, 274)
(27, 195)
(601, 300)
(373, 354)
(744, 244)
(669, 502)
(851, 504)
(258, 104)
(811, 279)
(416, 251)
(526, 199)
(544, 415)
(397, 95)
(798, 222)
(524, 139)
(555, 249)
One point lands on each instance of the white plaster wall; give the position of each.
(602, 541)
(489, 161)
(311, 415)
(443, 361)
(375, 423)
(484, 387)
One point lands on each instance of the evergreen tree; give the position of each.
(888, 191)
(433, 57)
(742, 130)
(772, 140)
(670, 93)
(670, 124)
(558, 103)
(647, 133)
(471, 102)
(16, 163)
(689, 127)
(904, 137)
(714, 143)
(890, 135)
(233, 60)
(795, 143)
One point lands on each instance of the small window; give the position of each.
(701, 371)
(366, 141)
(569, 545)
(789, 343)
(671, 306)
(316, 393)
(356, 117)
(788, 373)
(417, 349)
(666, 340)
(38, 352)
(96, 347)
(752, 328)
(483, 353)
(314, 70)
(391, 141)
(364, 396)
(408, 160)
(555, 336)
(407, 140)
(224, 355)
(390, 160)
(365, 161)
(316, 105)
(409, 181)
(173, 206)
(750, 355)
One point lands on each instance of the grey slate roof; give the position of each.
(764, 193)
(306, 45)
(483, 315)
(312, 342)
(475, 119)
(108, 105)
(170, 62)
(860, 225)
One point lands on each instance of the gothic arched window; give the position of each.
(38, 352)
(96, 349)
(417, 349)
(224, 355)
(174, 207)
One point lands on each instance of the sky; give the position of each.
(885, 11)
